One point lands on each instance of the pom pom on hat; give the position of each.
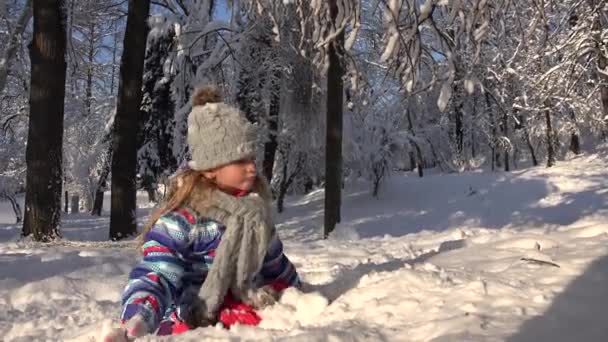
(206, 94)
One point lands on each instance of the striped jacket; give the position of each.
(177, 253)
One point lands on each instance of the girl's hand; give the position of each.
(131, 329)
(196, 315)
(263, 297)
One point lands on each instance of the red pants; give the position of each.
(232, 312)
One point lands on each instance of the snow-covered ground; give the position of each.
(471, 257)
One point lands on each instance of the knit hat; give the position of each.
(218, 133)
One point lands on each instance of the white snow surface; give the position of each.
(478, 256)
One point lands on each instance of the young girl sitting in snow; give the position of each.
(210, 254)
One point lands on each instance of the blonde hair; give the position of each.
(192, 189)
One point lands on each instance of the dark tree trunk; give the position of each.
(412, 161)
(418, 160)
(124, 161)
(102, 183)
(494, 133)
(286, 178)
(270, 147)
(45, 134)
(530, 147)
(16, 209)
(459, 129)
(75, 204)
(283, 185)
(151, 195)
(575, 145)
(473, 120)
(549, 130)
(603, 64)
(98, 202)
(523, 126)
(88, 102)
(333, 147)
(66, 206)
(505, 132)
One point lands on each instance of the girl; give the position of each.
(210, 253)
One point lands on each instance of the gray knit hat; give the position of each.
(218, 133)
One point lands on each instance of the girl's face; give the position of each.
(236, 176)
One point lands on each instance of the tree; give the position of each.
(155, 153)
(45, 134)
(14, 42)
(104, 174)
(333, 147)
(124, 143)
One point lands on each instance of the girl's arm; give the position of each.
(277, 268)
(156, 280)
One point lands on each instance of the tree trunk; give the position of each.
(412, 161)
(287, 179)
(550, 150)
(66, 206)
(333, 147)
(91, 59)
(75, 204)
(124, 161)
(493, 128)
(44, 145)
(419, 162)
(459, 130)
(505, 131)
(473, 120)
(530, 147)
(151, 194)
(102, 183)
(16, 209)
(282, 187)
(575, 145)
(99, 192)
(270, 147)
(14, 42)
(602, 62)
(114, 62)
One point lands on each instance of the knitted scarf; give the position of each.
(239, 256)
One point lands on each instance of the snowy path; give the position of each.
(472, 257)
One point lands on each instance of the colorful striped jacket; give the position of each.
(177, 254)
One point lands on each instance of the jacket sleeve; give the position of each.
(277, 267)
(156, 281)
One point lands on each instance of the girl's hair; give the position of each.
(190, 188)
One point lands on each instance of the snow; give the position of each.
(469, 85)
(425, 10)
(476, 256)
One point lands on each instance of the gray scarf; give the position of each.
(238, 258)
